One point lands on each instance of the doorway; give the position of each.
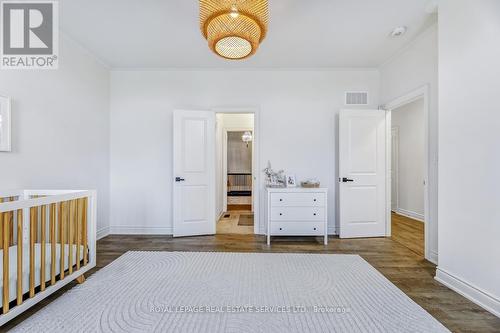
(235, 173)
(407, 175)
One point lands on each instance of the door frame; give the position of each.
(422, 92)
(255, 160)
(225, 130)
(396, 172)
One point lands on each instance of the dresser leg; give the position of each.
(326, 239)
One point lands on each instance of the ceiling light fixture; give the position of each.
(399, 31)
(234, 29)
(247, 137)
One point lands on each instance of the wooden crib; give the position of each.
(47, 239)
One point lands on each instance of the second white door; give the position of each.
(362, 172)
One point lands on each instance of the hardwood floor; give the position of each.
(408, 232)
(229, 225)
(406, 269)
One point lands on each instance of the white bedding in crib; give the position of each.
(26, 263)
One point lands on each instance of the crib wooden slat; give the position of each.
(19, 257)
(42, 245)
(52, 244)
(32, 250)
(61, 238)
(36, 223)
(84, 231)
(78, 227)
(6, 233)
(11, 225)
(70, 236)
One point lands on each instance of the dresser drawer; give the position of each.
(297, 213)
(297, 228)
(314, 199)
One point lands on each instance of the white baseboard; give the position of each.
(103, 232)
(474, 294)
(433, 257)
(135, 230)
(410, 214)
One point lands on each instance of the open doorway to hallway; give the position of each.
(235, 173)
(408, 176)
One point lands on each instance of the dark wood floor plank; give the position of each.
(402, 266)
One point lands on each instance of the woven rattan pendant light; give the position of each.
(234, 29)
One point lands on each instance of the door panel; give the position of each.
(362, 157)
(194, 173)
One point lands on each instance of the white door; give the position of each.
(194, 173)
(362, 155)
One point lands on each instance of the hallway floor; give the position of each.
(409, 233)
(230, 225)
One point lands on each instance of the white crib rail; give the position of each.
(49, 216)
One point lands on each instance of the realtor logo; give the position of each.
(29, 35)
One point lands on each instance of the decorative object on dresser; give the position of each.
(310, 183)
(291, 181)
(273, 178)
(297, 212)
(5, 126)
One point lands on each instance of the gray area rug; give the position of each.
(234, 292)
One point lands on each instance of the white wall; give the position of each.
(412, 68)
(409, 120)
(226, 121)
(469, 136)
(60, 127)
(297, 130)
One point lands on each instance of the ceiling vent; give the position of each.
(356, 98)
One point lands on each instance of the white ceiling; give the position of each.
(302, 33)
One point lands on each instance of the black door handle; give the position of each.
(179, 179)
(346, 180)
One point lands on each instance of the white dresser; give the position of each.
(297, 212)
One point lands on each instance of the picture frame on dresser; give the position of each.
(291, 181)
(5, 124)
(297, 211)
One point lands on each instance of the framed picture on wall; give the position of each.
(5, 126)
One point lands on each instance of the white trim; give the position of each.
(406, 47)
(388, 178)
(422, 92)
(410, 214)
(469, 291)
(256, 188)
(244, 69)
(395, 129)
(7, 147)
(433, 257)
(139, 230)
(103, 232)
(225, 130)
(85, 50)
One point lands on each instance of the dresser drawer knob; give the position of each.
(314, 214)
(281, 199)
(281, 214)
(281, 228)
(315, 229)
(314, 200)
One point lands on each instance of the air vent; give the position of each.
(356, 98)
